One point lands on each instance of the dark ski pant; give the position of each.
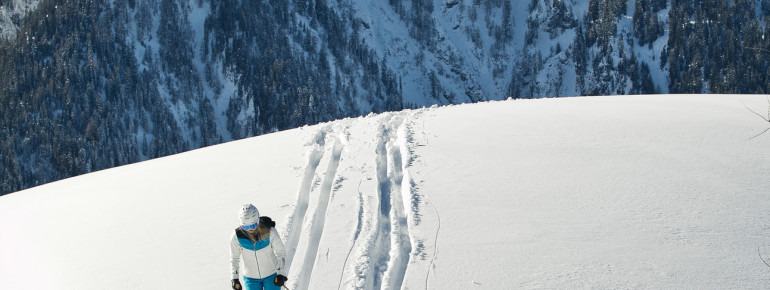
(261, 284)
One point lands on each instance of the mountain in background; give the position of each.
(89, 85)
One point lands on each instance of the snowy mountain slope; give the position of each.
(598, 192)
(11, 14)
(97, 84)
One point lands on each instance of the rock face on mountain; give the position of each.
(89, 85)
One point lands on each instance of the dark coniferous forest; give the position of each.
(89, 85)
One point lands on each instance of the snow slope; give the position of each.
(597, 192)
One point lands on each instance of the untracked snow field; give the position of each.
(661, 192)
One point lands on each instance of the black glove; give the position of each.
(237, 284)
(267, 221)
(279, 280)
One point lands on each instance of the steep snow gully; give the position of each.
(381, 245)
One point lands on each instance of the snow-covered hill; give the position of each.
(591, 192)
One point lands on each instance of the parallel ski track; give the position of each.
(384, 244)
(319, 218)
(381, 244)
(303, 197)
(400, 240)
(381, 250)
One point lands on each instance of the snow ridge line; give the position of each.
(319, 217)
(314, 156)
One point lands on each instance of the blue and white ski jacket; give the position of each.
(261, 258)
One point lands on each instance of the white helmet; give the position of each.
(249, 215)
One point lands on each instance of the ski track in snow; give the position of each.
(303, 196)
(382, 241)
(381, 246)
(319, 218)
(401, 242)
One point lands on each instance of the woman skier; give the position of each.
(258, 244)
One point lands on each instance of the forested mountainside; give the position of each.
(89, 85)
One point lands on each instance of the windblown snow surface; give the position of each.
(654, 192)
